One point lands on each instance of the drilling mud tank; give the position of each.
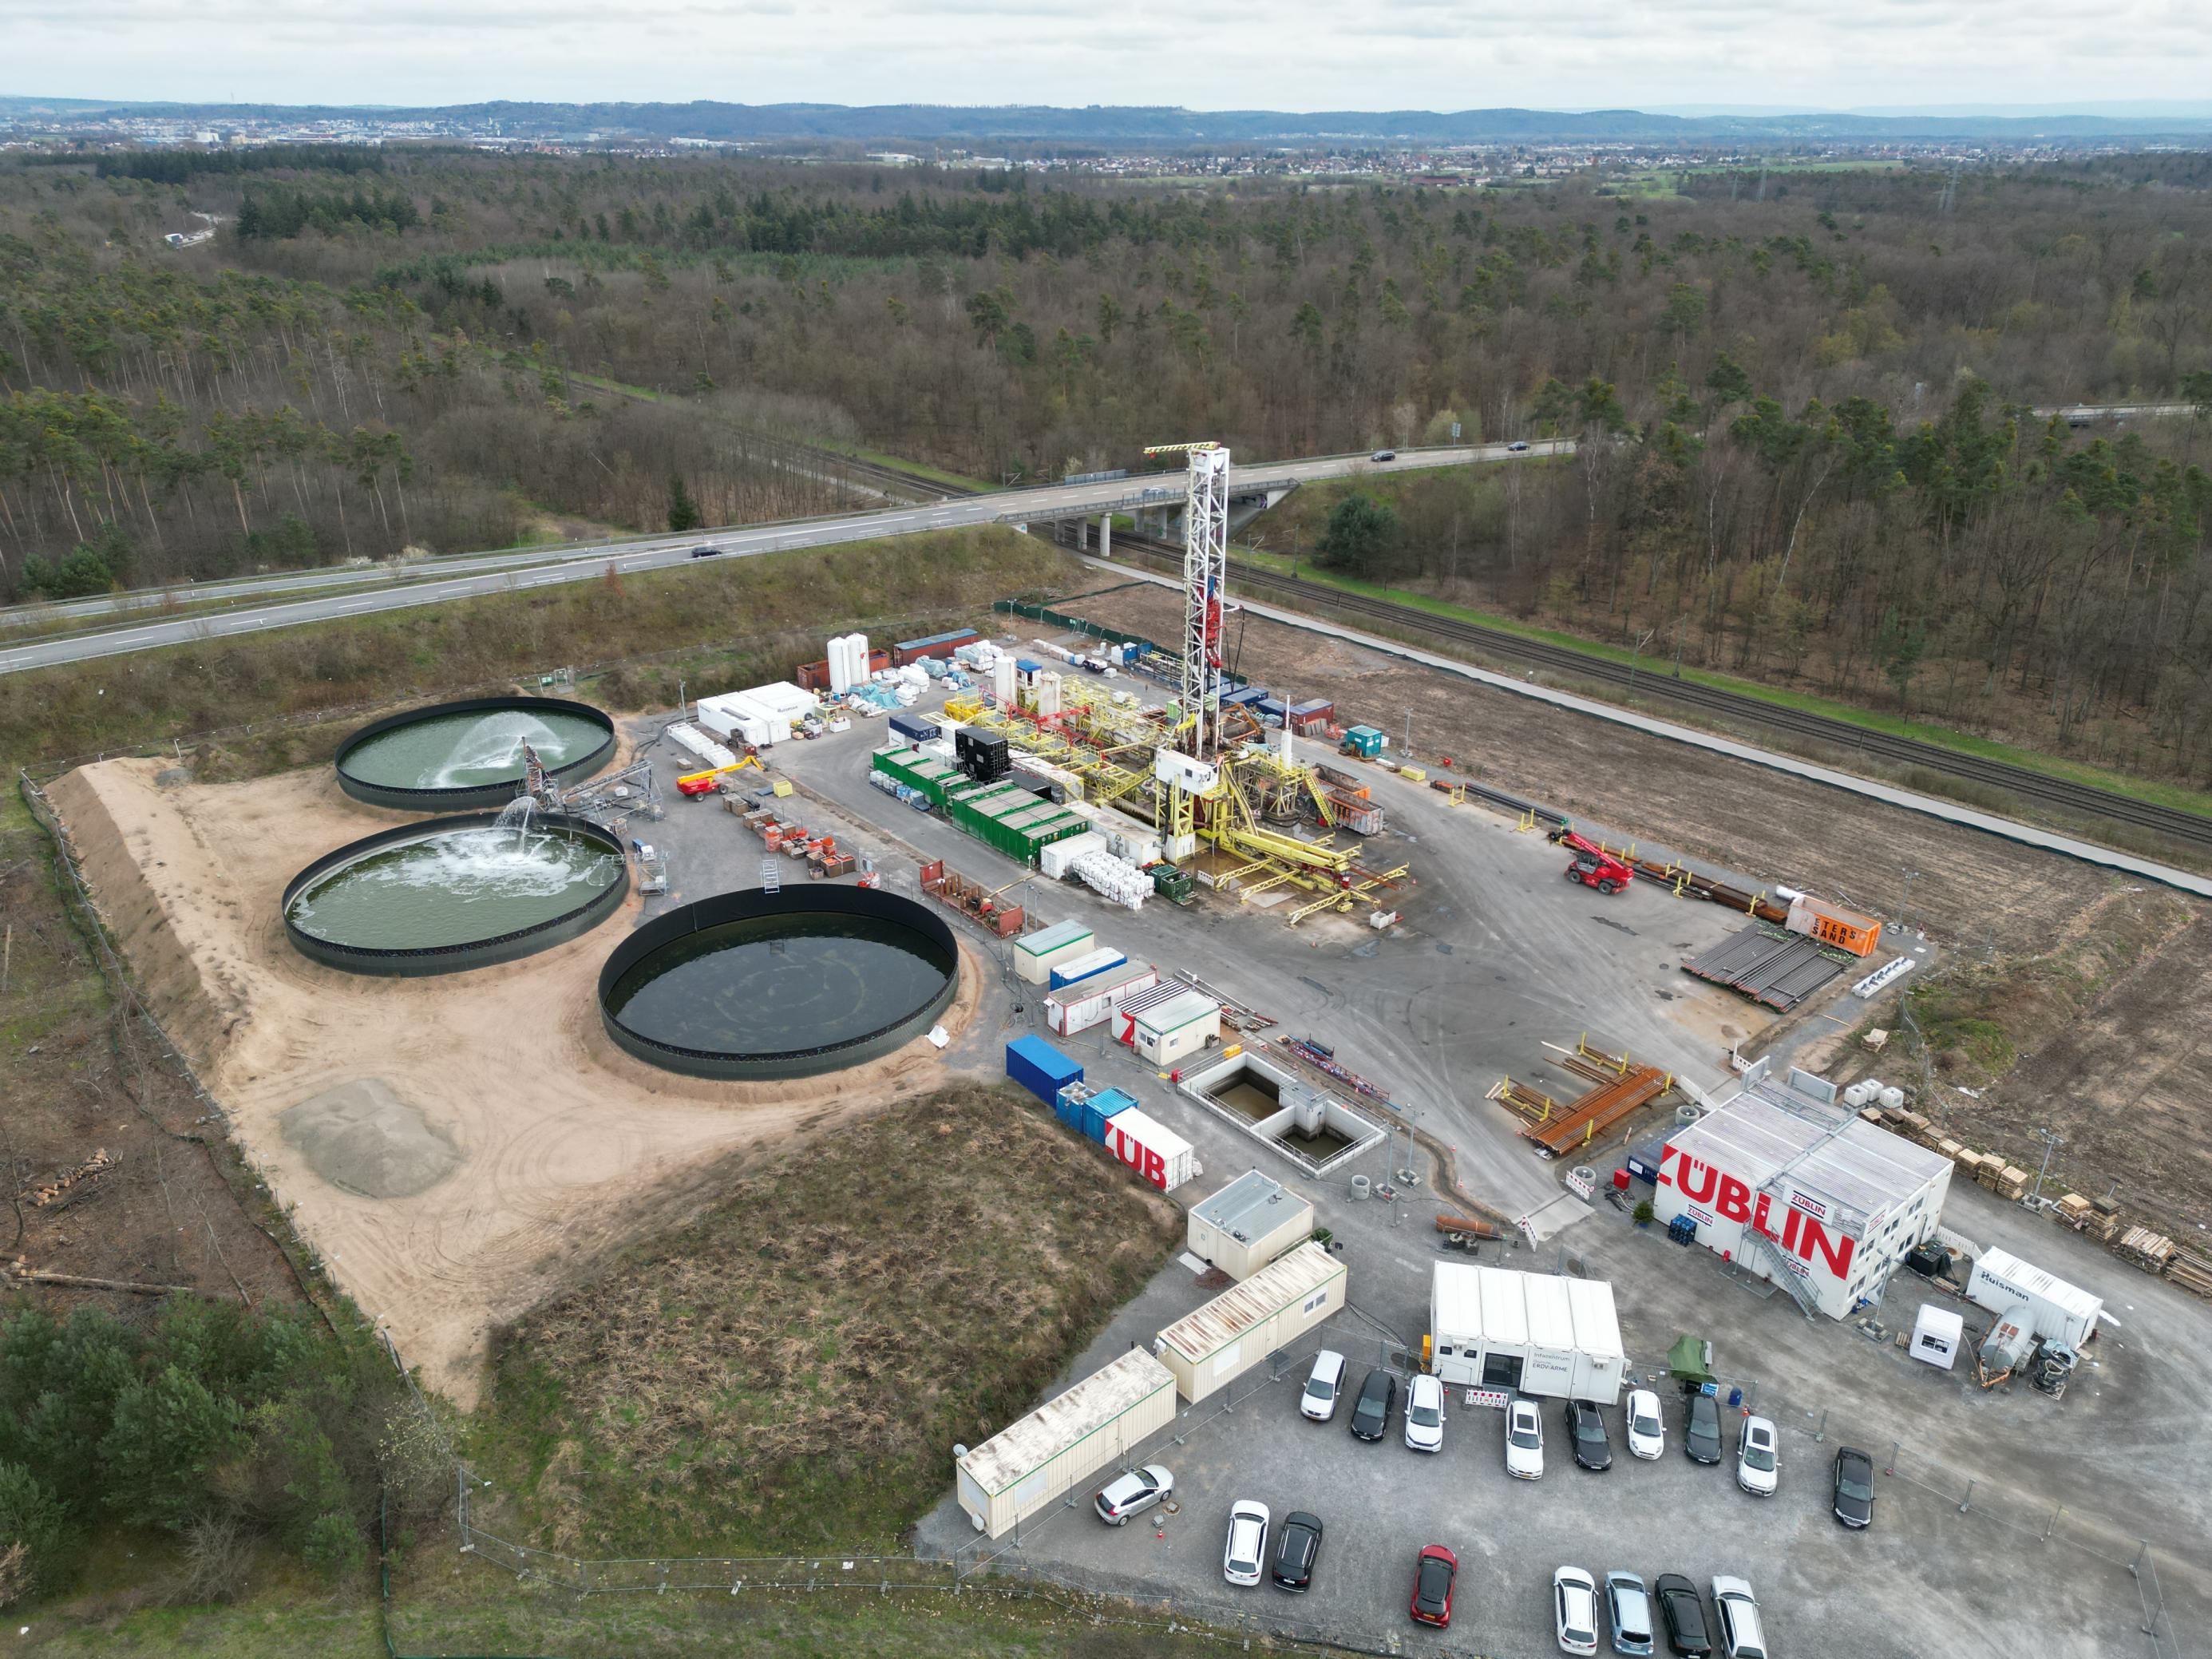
(456, 757)
(455, 893)
(757, 985)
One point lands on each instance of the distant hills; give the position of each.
(1170, 127)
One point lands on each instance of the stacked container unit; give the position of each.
(1127, 1013)
(1087, 1110)
(936, 645)
(1035, 954)
(1041, 1068)
(1267, 1314)
(1079, 1007)
(1243, 694)
(914, 728)
(1034, 1463)
(932, 778)
(1269, 711)
(1152, 1151)
(1089, 965)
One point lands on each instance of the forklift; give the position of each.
(1593, 866)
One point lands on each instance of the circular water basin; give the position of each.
(449, 756)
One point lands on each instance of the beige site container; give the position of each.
(1039, 1459)
(1209, 1349)
(1248, 1223)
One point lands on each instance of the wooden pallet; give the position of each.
(2148, 1250)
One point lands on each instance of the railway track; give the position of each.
(2082, 800)
(1733, 709)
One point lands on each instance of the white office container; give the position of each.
(1248, 1223)
(1937, 1334)
(1180, 1026)
(1517, 1332)
(1036, 953)
(1599, 1365)
(1041, 1458)
(1079, 1007)
(1238, 1329)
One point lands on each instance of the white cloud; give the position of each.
(1295, 54)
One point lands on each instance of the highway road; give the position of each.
(332, 595)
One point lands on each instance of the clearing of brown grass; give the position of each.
(790, 1371)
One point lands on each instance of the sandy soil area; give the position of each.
(569, 1147)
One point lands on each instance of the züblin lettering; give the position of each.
(1801, 1235)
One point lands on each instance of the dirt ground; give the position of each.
(2123, 1076)
(569, 1148)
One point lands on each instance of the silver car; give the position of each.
(1133, 1493)
(1628, 1610)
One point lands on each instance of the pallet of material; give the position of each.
(1531, 1104)
(2191, 1269)
(2147, 1249)
(1599, 1110)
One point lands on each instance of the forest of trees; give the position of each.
(1802, 395)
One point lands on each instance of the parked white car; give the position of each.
(1758, 1463)
(1524, 1441)
(1742, 1635)
(1424, 1415)
(1647, 1429)
(1574, 1607)
(1324, 1386)
(1247, 1549)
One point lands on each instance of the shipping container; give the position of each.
(1248, 1223)
(1037, 1460)
(1068, 1105)
(936, 645)
(1243, 695)
(1364, 741)
(1320, 711)
(916, 728)
(1041, 1068)
(1075, 969)
(1153, 1152)
(2057, 1311)
(1182, 1026)
(1055, 858)
(1516, 1333)
(1268, 1313)
(1079, 1007)
(1035, 954)
(1833, 924)
(1101, 1109)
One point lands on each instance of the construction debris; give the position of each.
(1319, 1056)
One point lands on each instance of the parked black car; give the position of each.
(1298, 1547)
(1371, 1414)
(1586, 1434)
(1701, 1429)
(1854, 1487)
(1684, 1614)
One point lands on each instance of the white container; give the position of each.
(1937, 1334)
(1238, 1329)
(1064, 975)
(1492, 1327)
(2057, 1311)
(1601, 1366)
(1183, 1026)
(1154, 1152)
(1039, 1459)
(1892, 1098)
(1079, 1007)
(1056, 858)
(1861, 1093)
(1551, 1338)
(1248, 1223)
(1035, 954)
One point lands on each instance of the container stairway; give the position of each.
(1760, 1250)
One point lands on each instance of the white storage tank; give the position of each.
(1238, 1329)
(1892, 1098)
(1861, 1093)
(1039, 1458)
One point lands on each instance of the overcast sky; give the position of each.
(1292, 54)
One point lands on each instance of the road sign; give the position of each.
(1455, 431)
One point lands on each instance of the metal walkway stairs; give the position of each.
(1761, 1251)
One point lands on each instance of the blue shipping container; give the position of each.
(1268, 706)
(1068, 1105)
(1041, 1068)
(1084, 966)
(914, 728)
(1101, 1106)
(1245, 694)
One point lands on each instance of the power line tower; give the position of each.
(1205, 594)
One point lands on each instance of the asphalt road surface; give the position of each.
(329, 595)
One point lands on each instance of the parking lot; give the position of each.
(1495, 956)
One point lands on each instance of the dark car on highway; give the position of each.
(705, 551)
(1854, 1487)
(1298, 1547)
(1518, 446)
(1701, 1429)
(1586, 1434)
(1370, 1413)
(1434, 1570)
(1683, 1614)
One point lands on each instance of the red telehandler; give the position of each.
(1593, 866)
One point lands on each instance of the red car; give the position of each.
(1434, 1570)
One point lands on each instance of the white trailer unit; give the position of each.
(1036, 953)
(1516, 1333)
(2057, 1311)
(1248, 1223)
(1037, 1460)
(1180, 1026)
(1079, 1007)
(1239, 1328)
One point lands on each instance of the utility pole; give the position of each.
(2051, 1143)
(1409, 734)
(1905, 905)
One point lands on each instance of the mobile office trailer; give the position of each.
(1516, 1333)
(1073, 971)
(1937, 1335)
(1211, 1348)
(2057, 1311)
(1248, 1223)
(1039, 1459)
(1182, 1026)
(1035, 954)
(1079, 1007)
